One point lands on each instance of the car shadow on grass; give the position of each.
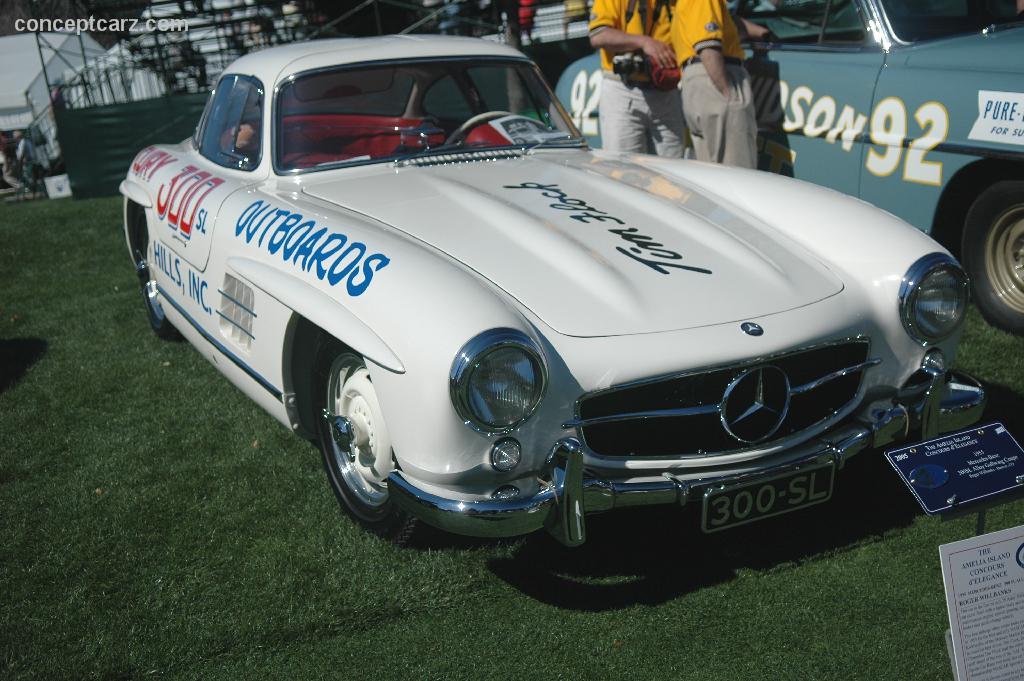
(1007, 407)
(17, 355)
(652, 555)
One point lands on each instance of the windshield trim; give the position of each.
(292, 172)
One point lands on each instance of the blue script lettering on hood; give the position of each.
(331, 255)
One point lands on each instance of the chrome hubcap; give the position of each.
(1004, 257)
(363, 453)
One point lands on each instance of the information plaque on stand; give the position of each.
(964, 472)
(984, 580)
(961, 470)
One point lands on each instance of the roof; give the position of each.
(273, 63)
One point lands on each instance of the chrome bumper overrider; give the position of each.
(932, 402)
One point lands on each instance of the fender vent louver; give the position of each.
(236, 311)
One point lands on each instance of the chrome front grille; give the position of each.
(724, 409)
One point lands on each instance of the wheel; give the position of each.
(139, 240)
(993, 250)
(460, 133)
(357, 469)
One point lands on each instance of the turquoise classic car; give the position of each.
(916, 107)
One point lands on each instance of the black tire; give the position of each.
(138, 239)
(993, 254)
(380, 516)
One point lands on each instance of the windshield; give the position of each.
(914, 20)
(392, 111)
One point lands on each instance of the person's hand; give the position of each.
(246, 140)
(659, 53)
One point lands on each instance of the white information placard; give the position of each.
(984, 580)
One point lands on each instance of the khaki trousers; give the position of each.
(723, 130)
(641, 121)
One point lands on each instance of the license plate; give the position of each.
(730, 506)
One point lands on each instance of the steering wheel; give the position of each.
(472, 122)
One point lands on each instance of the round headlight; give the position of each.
(933, 297)
(497, 380)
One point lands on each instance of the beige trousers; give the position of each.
(723, 130)
(642, 121)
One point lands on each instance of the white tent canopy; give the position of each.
(23, 91)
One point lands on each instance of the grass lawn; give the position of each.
(157, 524)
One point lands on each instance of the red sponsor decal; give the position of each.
(184, 196)
(149, 161)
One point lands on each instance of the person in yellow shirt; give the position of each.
(634, 114)
(715, 86)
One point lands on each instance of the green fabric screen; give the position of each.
(99, 142)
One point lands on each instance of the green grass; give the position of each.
(156, 524)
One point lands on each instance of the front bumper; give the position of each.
(931, 403)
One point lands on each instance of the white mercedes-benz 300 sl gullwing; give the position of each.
(402, 248)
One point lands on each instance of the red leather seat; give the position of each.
(312, 139)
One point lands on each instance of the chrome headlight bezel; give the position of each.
(469, 357)
(910, 289)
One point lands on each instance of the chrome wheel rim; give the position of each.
(365, 466)
(1004, 257)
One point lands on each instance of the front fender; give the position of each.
(136, 193)
(320, 309)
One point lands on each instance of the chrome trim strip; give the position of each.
(811, 385)
(235, 324)
(652, 414)
(264, 383)
(716, 367)
(878, 14)
(758, 48)
(232, 299)
(974, 150)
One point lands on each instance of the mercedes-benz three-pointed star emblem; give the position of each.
(755, 404)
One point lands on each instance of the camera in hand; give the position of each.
(636, 70)
(630, 64)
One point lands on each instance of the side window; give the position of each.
(232, 124)
(807, 21)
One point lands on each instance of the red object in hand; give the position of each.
(665, 78)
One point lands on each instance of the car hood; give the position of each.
(594, 245)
